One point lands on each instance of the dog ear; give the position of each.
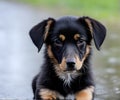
(97, 30)
(40, 32)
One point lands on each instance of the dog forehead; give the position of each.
(65, 23)
(68, 26)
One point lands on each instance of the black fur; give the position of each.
(68, 26)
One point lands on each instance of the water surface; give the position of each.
(19, 60)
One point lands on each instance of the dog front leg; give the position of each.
(85, 94)
(46, 94)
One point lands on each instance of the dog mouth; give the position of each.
(70, 71)
(68, 76)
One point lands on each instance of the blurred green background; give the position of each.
(102, 9)
(107, 11)
(16, 19)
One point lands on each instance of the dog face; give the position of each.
(68, 41)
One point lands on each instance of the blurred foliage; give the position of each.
(96, 8)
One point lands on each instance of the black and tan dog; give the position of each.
(66, 72)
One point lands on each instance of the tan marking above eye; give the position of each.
(62, 37)
(76, 36)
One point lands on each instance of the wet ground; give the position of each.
(19, 60)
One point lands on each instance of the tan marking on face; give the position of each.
(47, 28)
(50, 54)
(85, 94)
(47, 94)
(63, 64)
(62, 37)
(76, 36)
(89, 25)
(60, 68)
(79, 62)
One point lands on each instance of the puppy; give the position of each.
(66, 72)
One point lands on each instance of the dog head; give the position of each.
(68, 40)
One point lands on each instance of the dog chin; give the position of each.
(68, 76)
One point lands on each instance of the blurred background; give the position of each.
(20, 61)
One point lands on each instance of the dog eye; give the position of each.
(58, 43)
(80, 42)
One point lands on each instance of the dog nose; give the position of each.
(70, 64)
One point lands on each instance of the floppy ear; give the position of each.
(40, 32)
(97, 30)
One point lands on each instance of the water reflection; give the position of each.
(19, 60)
